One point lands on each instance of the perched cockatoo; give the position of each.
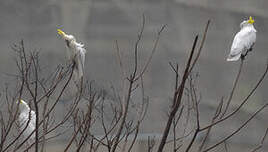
(243, 40)
(76, 53)
(27, 116)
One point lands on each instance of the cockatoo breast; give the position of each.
(245, 38)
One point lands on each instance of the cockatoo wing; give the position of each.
(23, 117)
(237, 48)
(80, 59)
(23, 120)
(243, 41)
(32, 126)
(33, 120)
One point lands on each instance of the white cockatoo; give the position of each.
(27, 116)
(243, 40)
(76, 53)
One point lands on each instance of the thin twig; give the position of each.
(237, 130)
(177, 99)
(241, 105)
(262, 141)
(233, 89)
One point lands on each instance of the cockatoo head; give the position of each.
(248, 22)
(67, 38)
(23, 106)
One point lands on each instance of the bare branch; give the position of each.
(262, 141)
(237, 130)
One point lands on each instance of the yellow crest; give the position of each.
(60, 32)
(250, 20)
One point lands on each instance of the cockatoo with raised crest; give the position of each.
(76, 53)
(243, 41)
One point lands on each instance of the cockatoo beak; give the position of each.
(61, 33)
(250, 20)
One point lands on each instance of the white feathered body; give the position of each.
(243, 41)
(76, 53)
(23, 120)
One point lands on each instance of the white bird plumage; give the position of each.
(76, 53)
(27, 116)
(243, 40)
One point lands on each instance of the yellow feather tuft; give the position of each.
(250, 21)
(60, 32)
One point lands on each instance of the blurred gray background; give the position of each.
(98, 23)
